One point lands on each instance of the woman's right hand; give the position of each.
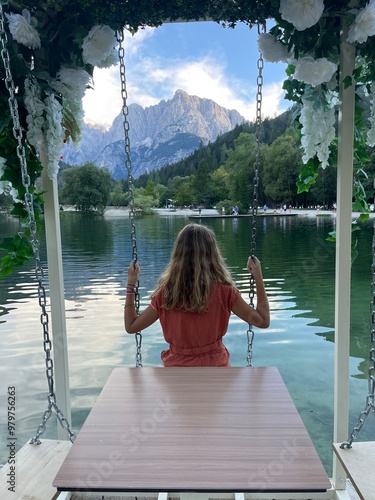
(254, 267)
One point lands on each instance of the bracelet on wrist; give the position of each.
(130, 293)
(129, 305)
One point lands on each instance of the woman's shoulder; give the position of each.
(225, 288)
(157, 297)
(225, 293)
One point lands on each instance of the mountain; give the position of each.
(159, 135)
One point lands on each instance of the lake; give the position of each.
(298, 267)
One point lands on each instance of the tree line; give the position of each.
(220, 174)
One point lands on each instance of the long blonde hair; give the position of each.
(196, 263)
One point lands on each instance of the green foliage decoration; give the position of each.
(63, 25)
(322, 40)
(136, 14)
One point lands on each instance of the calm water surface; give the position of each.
(298, 267)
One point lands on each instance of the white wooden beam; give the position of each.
(56, 284)
(343, 255)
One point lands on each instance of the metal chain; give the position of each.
(371, 372)
(128, 165)
(29, 205)
(258, 123)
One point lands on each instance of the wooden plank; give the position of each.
(359, 464)
(35, 467)
(193, 430)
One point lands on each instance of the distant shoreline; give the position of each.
(209, 212)
(205, 212)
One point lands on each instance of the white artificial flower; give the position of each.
(54, 134)
(22, 28)
(314, 71)
(6, 188)
(318, 127)
(14, 194)
(271, 49)
(72, 83)
(98, 45)
(364, 25)
(35, 109)
(2, 166)
(301, 13)
(75, 78)
(110, 60)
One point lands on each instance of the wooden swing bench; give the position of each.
(189, 432)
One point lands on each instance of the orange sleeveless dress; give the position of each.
(195, 339)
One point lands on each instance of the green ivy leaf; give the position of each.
(331, 237)
(7, 244)
(19, 250)
(347, 81)
(308, 175)
(364, 217)
(6, 266)
(290, 69)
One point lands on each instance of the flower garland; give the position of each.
(307, 37)
(52, 62)
(54, 49)
(54, 103)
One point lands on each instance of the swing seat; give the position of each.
(36, 465)
(191, 430)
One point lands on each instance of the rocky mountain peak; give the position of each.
(160, 134)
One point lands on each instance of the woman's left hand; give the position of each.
(134, 270)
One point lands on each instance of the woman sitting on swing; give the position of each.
(194, 299)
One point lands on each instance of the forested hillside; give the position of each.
(215, 153)
(221, 173)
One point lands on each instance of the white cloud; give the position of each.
(103, 103)
(150, 80)
(133, 43)
(273, 100)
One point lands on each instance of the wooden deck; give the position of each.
(359, 464)
(35, 467)
(193, 430)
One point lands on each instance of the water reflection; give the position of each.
(298, 266)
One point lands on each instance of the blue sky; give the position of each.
(201, 58)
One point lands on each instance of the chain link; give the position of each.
(128, 166)
(29, 205)
(258, 123)
(370, 402)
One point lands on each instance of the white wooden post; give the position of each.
(343, 255)
(56, 284)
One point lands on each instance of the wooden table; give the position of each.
(193, 429)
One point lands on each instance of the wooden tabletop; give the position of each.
(193, 429)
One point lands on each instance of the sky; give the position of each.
(201, 58)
